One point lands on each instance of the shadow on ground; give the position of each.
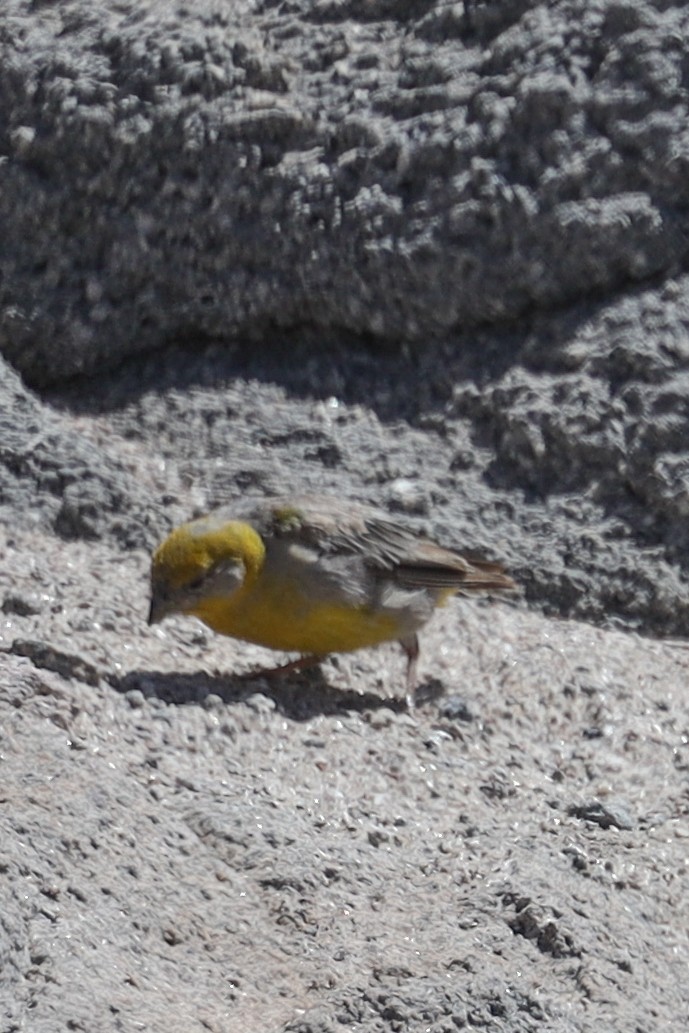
(299, 697)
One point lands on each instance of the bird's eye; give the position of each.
(197, 583)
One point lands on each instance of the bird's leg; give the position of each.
(300, 664)
(411, 648)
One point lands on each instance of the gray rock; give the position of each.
(400, 170)
(423, 253)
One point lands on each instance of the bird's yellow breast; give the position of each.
(280, 617)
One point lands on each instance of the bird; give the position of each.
(313, 575)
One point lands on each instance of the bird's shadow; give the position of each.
(299, 696)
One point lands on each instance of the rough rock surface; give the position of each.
(430, 255)
(398, 169)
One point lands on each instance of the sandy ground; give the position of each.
(204, 852)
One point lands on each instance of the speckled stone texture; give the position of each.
(398, 169)
(430, 255)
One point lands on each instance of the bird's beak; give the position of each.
(157, 610)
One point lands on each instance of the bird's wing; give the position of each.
(386, 548)
(417, 562)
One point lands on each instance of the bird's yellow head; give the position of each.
(203, 561)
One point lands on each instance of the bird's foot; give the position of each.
(300, 664)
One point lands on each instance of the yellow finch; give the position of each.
(311, 575)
